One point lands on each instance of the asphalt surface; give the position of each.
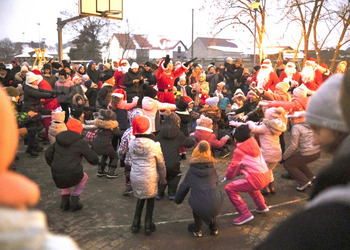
(105, 220)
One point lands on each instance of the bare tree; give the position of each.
(238, 12)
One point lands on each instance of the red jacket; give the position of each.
(119, 80)
(316, 83)
(207, 134)
(49, 103)
(247, 160)
(297, 104)
(295, 77)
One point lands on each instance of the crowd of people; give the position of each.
(145, 117)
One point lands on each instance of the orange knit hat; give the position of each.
(74, 125)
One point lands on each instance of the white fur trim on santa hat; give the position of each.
(266, 62)
(119, 95)
(290, 63)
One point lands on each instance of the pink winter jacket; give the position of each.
(207, 134)
(269, 132)
(248, 160)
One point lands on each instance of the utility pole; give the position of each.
(60, 25)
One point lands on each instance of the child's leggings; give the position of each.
(78, 189)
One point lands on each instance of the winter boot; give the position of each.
(111, 172)
(75, 204)
(245, 214)
(135, 228)
(101, 170)
(32, 152)
(65, 202)
(149, 225)
(272, 187)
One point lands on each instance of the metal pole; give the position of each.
(59, 29)
(254, 37)
(192, 34)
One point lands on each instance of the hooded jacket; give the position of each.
(201, 180)
(202, 133)
(133, 89)
(68, 171)
(146, 163)
(248, 160)
(106, 131)
(269, 132)
(171, 139)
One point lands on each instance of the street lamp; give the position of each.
(254, 6)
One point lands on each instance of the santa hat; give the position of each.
(311, 60)
(205, 122)
(290, 63)
(117, 93)
(283, 86)
(75, 77)
(212, 101)
(323, 65)
(123, 60)
(267, 63)
(149, 91)
(300, 91)
(171, 118)
(58, 116)
(141, 125)
(31, 77)
(134, 65)
(187, 99)
(36, 72)
(74, 125)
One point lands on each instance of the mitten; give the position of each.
(166, 61)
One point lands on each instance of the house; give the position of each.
(214, 48)
(142, 47)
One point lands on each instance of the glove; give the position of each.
(188, 62)
(55, 93)
(227, 137)
(224, 179)
(166, 61)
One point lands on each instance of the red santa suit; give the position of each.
(288, 73)
(165, 83)
(120, 73)
(268, 81)
(310, 76)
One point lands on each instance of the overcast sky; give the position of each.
(26, 21)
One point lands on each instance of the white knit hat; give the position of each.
(212, 101)
(31, 77)
(134, 65)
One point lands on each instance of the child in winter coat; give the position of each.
(67, 171)
(171, 139)
(63, 85)
(102, 144)
(104, 95)
(248, 161)
(269, 132)
(182, 112)
(206, 200)
(300, 152)
(57, 125)
(204, 131)
(123, 151)
(147, 167)
(237, 102)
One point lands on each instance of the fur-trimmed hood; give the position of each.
(210, 109)
(74, 99)
(202, 160)
(276, 125)
(105, 124)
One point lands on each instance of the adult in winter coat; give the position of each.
(166, 78)
(147, 167)
(47, 75)
(119, 74)
(32, 102)
(92, 72)
(248, 161)
(147, 74)
(171, 139)
(201, 180)
(67, 171)
(133, 81)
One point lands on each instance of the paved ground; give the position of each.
(104, 222)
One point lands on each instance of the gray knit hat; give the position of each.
(323, 108)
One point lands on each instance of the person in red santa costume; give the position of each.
(166, 77)
(291, 73)
(49, 103)
(266, 77)
(310, 76)
(323, 68)
(119, 74)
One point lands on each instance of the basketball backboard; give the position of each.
(102, 8)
